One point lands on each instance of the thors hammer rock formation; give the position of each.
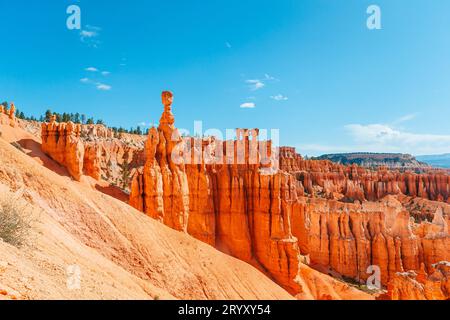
(231, 206)
(281, 222)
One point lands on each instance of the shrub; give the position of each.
(14, 222)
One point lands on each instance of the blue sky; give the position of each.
(309, 68)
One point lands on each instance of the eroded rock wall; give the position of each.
(336, 181)
(288, 219)
(348, 238)
(91, 150)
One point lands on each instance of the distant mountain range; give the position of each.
(373, 160)
(391, 160)
(440, 160)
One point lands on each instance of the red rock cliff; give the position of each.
(90, 150)
(356, 183)
(232, 205)
(262, 216)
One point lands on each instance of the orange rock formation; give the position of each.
(89, 150)
(348, 238)
(281, 220)
(61, 141)
(232, 207)
(10, 117)
(357, 183)
(434, 285)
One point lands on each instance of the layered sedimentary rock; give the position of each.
(61, 141)
(348, 238)
(434, 285)
(232, 206)
(350, 183)
(279, 220)
(90, 150)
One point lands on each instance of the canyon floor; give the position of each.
(119, 252)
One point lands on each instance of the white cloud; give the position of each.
(89, 34)
(406, 118)
(385, 138)
(103, 87)
(255, 84)
(106, 73)
(145, 124)
(248, 105)
(91, 69)
(279, 97)
(382, 138)
(269, 77)
(100, 86)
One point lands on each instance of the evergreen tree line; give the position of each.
(75, 118)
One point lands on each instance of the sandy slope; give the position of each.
(121, 253)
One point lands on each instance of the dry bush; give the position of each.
(15, 221)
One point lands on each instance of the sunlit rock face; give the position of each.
(91, 150)
(336, 219)
(61, 141)
(357, 183)
(8, 116)
(229, 205)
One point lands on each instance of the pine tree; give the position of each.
(48, 115)
(124, 174)
(76, 118)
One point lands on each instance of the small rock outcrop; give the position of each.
(92, 150)
(61, 141)
(8, 116)
(434, 285)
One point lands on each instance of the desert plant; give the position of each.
(14, 222)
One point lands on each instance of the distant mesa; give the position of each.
(438, 161)
(397, 161)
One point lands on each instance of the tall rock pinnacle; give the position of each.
(167, 118)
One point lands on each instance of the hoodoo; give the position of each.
(303, 213)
